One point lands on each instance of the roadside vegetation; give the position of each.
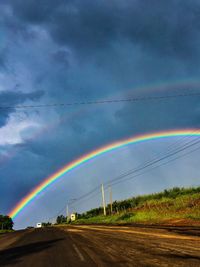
(173, 205)
(176, 205)
(6, 224)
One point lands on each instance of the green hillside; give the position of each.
(170, 206)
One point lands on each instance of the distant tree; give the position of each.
(60, 219)
(44, 224)
(6, 223)
(78, 215)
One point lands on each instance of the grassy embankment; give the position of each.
(6, 231)
(176, 206)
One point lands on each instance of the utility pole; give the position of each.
(69, 202)
(103, 200)
(67, 212)
(110, 200)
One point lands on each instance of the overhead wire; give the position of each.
(106, 101)
(146, 164)
(188, 144)
(142, 167)
(137, 172)
(157, 166)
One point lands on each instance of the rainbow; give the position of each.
(97, 152)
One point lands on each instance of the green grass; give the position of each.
(6, 231)
(183, 207)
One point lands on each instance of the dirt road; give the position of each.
(101, 246)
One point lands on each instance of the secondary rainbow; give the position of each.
(95, 153)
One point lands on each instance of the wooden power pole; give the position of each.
(67, 211)
(103, 200)
(111, 200)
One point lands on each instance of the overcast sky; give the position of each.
(69, 51)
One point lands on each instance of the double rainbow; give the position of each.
(87, 157)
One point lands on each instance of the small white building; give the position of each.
(73, 217)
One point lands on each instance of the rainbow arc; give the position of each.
(89, 156)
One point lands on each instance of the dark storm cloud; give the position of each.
(159, 115)
(2, 63)
(167, 27)
(35, 12)
(2, 60)
(22, 177)
(91, 50)
(11, 99)
(61, 56)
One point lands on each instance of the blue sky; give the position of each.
(70, 51)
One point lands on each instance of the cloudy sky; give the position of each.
(68, 51)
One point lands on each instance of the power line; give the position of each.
(89, 195)
(152, 161)
(154, 167)
(188, 145)
(141, 167)
(57, 214)
(135, 172)
(126, 176)
(86, 195)
(109, 183)
(109, 101)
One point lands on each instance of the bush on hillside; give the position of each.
(6, 223)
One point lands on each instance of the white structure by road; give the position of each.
(39, 225)
(73, 217)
